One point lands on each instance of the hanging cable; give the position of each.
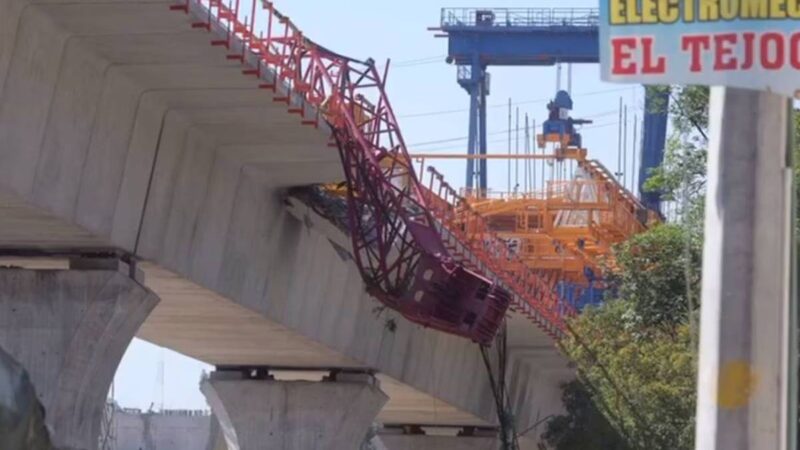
(558, 76)
(499, 132)
(498, 384)
(691, 118)
(441, 147)
(415, 62)
(641, 422)
(569, 79)
(500, 105)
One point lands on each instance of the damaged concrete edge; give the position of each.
(311, 219)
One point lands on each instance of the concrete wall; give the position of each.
(169, 430)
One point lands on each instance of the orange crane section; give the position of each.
(566, 228)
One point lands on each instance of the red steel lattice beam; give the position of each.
(398, 228)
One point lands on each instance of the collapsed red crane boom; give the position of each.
(396, 244)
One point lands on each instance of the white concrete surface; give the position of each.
(69, 329)
(289, 415)
(168, 430)
(122, 127)
(746, 390)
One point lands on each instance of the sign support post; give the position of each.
(747, 371)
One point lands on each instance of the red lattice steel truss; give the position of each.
(410, 255)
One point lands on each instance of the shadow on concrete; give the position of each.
(21, 415)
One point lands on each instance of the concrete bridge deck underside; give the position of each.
(121, 127)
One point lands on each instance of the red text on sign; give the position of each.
(634, 55)
(712, 52)
(742, 51)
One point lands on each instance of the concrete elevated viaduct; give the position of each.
(124, 132)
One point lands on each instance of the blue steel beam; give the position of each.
(656, 107)
(522, 36)
(482, 37)
(523, 47)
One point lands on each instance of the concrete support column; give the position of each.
(69, 329)
(746, 371)
(258, 414)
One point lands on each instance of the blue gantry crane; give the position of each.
(482, 37)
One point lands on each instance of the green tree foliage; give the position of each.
(636, 351)
(582, 424)
(653, 277)
(681, 178)
(636, 354)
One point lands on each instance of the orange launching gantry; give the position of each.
(565, 231)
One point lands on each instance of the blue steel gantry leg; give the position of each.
(482, 86)
(474, 80)
(473, 134)
(656, 107)
(482, 37)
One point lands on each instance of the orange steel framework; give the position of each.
(442, 259)
(562, 232)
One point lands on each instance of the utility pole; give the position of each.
(747, 368)
(624, 146)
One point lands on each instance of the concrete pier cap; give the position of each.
(69, 330)
(257, 412)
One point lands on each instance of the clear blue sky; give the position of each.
(398, 30)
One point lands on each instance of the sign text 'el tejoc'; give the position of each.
(740, 43)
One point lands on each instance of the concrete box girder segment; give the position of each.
(171, 154)
(257, 414)
(69, 330)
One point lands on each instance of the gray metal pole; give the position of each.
(527, 150)
(509, 145)
(619, 142)
(516, 162)
(746, 380)
(533, 152)
(624, 147)
(634, 172)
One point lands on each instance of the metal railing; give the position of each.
(520, 17)
(572, 191)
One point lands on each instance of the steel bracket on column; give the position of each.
(266, 372)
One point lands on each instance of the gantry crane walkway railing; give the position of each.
(419, 249)
(510, 18)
